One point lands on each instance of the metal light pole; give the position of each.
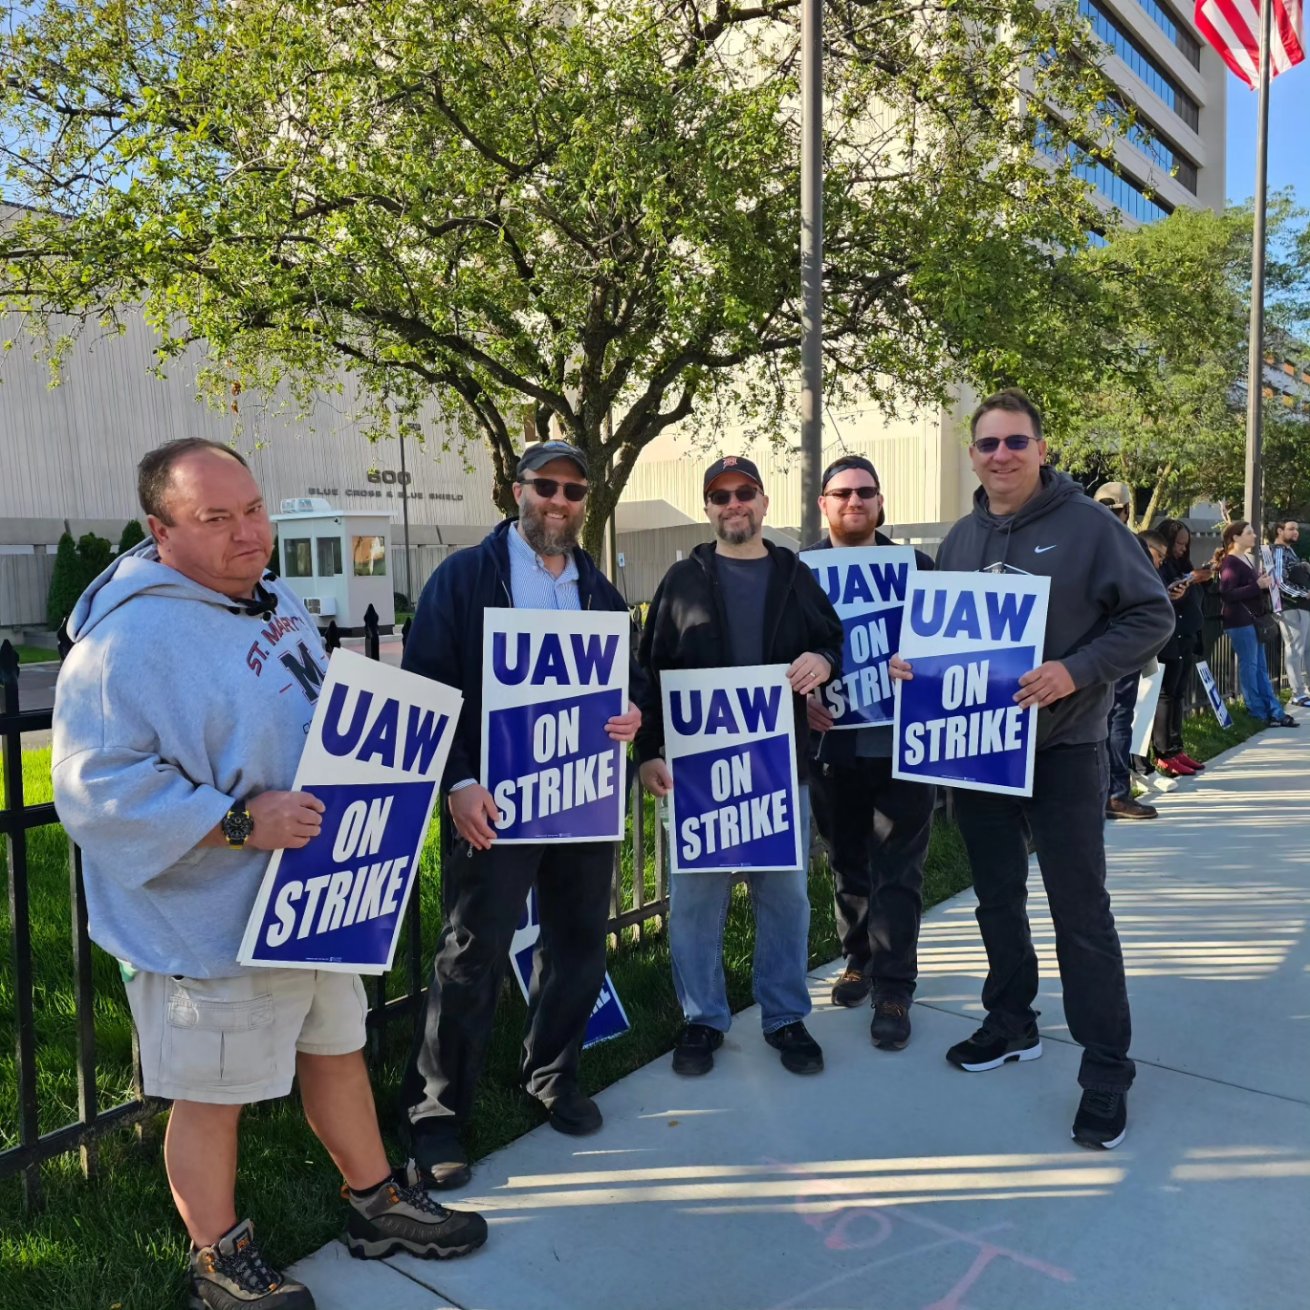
(811, 265)
(404, 509)
(1255, 356)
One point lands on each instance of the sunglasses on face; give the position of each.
(845, 493)
(990, 445)
(744, 494)
(547, 487)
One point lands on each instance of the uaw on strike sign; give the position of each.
(729, 740)
(374, 756)
(866, 585)
(970, 638)
(551, 679)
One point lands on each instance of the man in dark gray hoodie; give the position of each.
(1108, 614)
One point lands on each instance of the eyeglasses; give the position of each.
(845, 493)
(547, 487)
(743, 494)
(990, 445)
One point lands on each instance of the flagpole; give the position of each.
(1255, 356)
(811, 265)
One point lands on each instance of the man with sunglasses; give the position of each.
(1108, 614)
(876, 826)
(532, 562)
(738, 601)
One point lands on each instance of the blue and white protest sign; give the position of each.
(608, 1017)
(374, 756)
(729, 741)
(970, 638)
(866, 585)
(1221, 714)
(551, 679)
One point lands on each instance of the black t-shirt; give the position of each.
(744, 583)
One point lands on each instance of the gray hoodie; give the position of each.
(1109, 612)
(173, 704)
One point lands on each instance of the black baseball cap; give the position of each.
(731, 464)
(848, 462)
(545, 451)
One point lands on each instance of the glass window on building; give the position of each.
(328, 550)
(370, 556)
(297, 559)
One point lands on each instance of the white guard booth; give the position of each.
(337, 562)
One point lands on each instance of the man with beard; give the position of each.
(532, 562)
(740, 601)
(876, 826)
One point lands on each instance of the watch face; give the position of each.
(237, 826)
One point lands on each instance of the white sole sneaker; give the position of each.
(1028, 1053)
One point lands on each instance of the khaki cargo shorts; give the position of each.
(231, 1041)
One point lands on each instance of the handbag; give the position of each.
(1266, 626)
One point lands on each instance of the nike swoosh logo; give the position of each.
(1041, 550)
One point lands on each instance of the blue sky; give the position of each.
(1289, 135)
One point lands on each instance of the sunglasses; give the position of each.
(547, 487)
(990, 445)
(744, 494)
(845, 493)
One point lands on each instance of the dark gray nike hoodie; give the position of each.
(1109, 612)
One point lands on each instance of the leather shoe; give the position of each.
(573, 1114)
(439, 1156)
(1126, 807)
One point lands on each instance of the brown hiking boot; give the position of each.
(233, 1275)
(1125, 807)
(852, 987)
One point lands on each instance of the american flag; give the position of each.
(1233, 28)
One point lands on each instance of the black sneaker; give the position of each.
(694, 1053)
(233, 1275)
(890, 1029)
(401, 1216)
(1283, 721)
(989, 1048)
(852, 987)
(439, 1154)
(800, 1052)
(1102, 1120)
(573, 1114)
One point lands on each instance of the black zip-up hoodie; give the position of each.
(839, 748)
(445, 641)
(687, 628)
(1109, 612)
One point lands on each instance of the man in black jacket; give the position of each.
(876, 826)
(533, 562)
(740, 601)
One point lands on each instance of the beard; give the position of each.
(848, 535)
(545, 537)
(738, 532)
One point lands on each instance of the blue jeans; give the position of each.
(698, 910)
(1253, 673)
(1119, 741)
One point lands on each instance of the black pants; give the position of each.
(1167, 732)
(877, 829)
(1066, 816)
(485, 893)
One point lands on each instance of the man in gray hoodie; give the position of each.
(180, 717)
(1108, 614)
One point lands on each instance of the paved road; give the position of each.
(894, 1182)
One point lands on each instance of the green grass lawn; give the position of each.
(36, 655)
(115, 1243)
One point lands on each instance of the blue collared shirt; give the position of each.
(533, 586)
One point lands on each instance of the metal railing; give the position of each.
(632, 904)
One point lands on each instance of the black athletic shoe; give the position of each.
(573, 1114)
(400, 1216)
(989, 1048)
(1102, 1120)
(852, 987)
(439, 1154)
(1284, 721)
(694, 1053)
(233, 1275)
(890, 1029)
(800, 1052)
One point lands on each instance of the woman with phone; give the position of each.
(1243, 587)
(1183, 582)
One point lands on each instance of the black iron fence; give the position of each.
(639, 895)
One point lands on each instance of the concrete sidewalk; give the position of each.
(895, 1182)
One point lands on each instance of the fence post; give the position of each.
(20, 927)
(331, 637)
(84, 1010)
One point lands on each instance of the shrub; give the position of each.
(65, 582)
(133, 535)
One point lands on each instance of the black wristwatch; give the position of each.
(237, 825)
